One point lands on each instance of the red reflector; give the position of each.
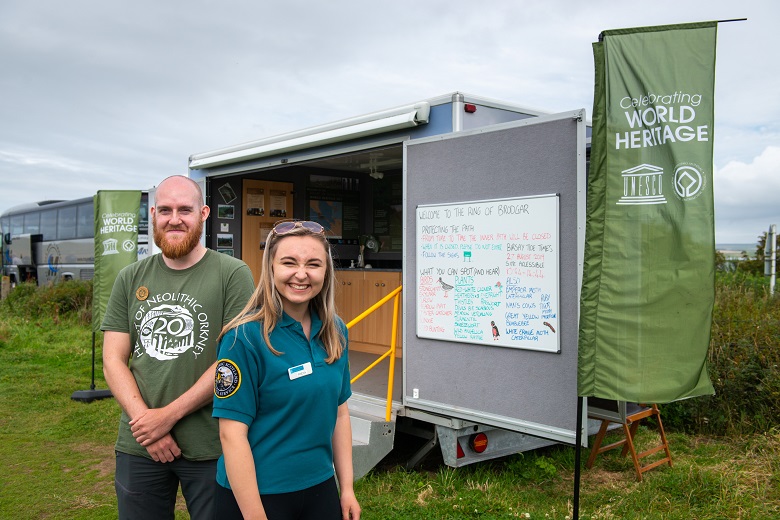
(478, 442)
(460, 450)
(468, 107)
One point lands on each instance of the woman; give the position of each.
(281, 390)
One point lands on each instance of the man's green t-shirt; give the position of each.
(173, 318)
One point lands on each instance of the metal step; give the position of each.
(372, 439)
(373, 405)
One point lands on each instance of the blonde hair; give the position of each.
(265, 305)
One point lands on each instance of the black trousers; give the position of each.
(320, 502)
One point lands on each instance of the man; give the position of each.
(163, 317)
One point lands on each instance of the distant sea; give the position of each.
(735, 250)
(750, 248)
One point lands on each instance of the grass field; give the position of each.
(58, 458)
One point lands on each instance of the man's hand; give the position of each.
(164, 450)
(151, 426)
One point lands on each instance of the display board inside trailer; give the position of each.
(521, 376)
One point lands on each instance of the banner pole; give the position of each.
(92, 385)
(87, 396)
(577, 458)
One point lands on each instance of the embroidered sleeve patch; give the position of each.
(227, 379)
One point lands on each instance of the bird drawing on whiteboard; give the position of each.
(447, 287)
(494, 329)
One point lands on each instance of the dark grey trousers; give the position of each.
(147, 489)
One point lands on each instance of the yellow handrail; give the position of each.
(395, 294)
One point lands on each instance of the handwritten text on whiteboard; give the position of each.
(487, 272)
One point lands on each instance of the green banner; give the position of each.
(649, 272)
(116, 243)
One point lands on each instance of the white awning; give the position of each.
(347, 129)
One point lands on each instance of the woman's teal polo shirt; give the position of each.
(289, 402)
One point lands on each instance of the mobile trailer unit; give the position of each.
(477, 208)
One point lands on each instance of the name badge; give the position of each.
(299, 371)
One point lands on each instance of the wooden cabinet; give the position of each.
(379, 324)
(356, 291)
(264, 203)
(350, 291)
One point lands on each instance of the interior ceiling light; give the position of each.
(375, 173)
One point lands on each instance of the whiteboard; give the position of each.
(487, 272)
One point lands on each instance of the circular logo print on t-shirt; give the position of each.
(227, 379)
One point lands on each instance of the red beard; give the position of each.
(178, 248)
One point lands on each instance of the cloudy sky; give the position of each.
(117, 94)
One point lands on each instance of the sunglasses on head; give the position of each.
(282, 228)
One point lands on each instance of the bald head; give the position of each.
(180, 185)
